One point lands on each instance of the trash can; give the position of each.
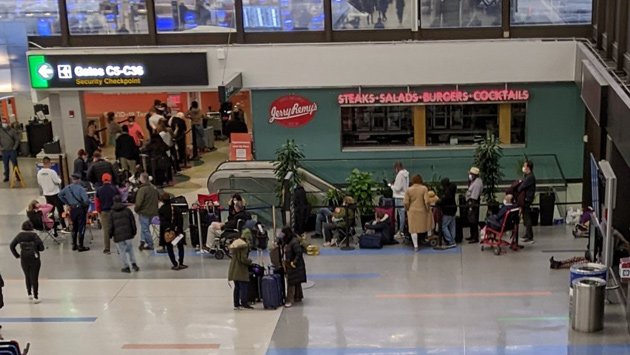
(547, 206)
(579, 271)
(587, 304)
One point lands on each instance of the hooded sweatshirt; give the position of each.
(401, 185)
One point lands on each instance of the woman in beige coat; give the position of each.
(418, 209)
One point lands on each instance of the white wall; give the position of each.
(379, 64)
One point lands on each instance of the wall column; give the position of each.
(505, 123)
(419, 126)
(70, 130)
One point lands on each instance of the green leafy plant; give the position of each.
(435, 184)
(361, 187)
(288, 159)
(335, 197)
(487, 158)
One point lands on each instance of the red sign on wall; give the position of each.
(292, 111)
(430, 97)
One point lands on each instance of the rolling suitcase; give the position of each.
(459, 230)
(271, 292)
(371, 241)
(256, 273)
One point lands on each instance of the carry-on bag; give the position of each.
(371, 241)
(271, 292)
(256, 273)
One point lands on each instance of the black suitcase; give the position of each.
(256, 273)
(463, 211)
(371, 241)
(459, 230)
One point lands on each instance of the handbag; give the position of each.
(169, 236)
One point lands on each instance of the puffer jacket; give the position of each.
(147, 199)
(239, 265)
(122, 224)
(293, 254)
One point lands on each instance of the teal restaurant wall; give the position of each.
(554, 138)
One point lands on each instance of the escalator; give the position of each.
(256, 182)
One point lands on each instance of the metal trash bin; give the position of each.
(587, 304)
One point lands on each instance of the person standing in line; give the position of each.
(473, 202)
(295, 267)
(448, 205)
(123, 229)
(399, 188)
(81, 165)
(50, 184)
(30, 247)
(9, 143)
(171, 222)
(92, 141)
(178, 125)
(527, 187)
(146, 206)
(127, 152)
(196, 118)
(135, 131)
(416, 203)
(105, 197)
(239, 270)
(113, 129)
(75, 196)
(98, 168)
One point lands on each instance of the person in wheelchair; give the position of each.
(339, 220)
(495, 221)
(231, 229)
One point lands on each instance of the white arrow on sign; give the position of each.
(46, 71)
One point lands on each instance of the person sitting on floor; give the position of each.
(39, 214)
(382, 224)
(495, 221)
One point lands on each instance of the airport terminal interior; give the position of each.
(315, 177)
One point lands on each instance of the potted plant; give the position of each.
(334, 197)
(488, 154)
(288, 160)
(361, 186)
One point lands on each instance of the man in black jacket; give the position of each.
(528, 188)
(98, 168)
(123, 229)
(127, 152)
(449, 208)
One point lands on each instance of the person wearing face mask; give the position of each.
(9, 143)
(527, 188)
(495, 221)
(473, 199)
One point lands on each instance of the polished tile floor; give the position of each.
(392, 301)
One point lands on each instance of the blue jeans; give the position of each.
(8, 155)
(400, 209)
(145, 232)
(126, 248)
(448, 228)
(323, 216)
(240, 293)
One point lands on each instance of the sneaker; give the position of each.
(451, 246)
(247, 307)
(182, 267)
(148, 248)
(66, 230)
(30, 297)
(36, 301)
(176, 267)
(135, 267)
(327, 244)
(126, 269)
(141, 246)
(82, 249)
(288, 305)
(107, 252)
(237, 308)
(528, 241)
